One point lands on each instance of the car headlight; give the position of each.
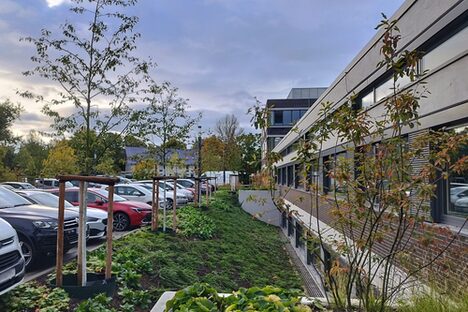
(45, 224)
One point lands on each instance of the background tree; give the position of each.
(212, 151)
(176, 164)
(250, 152)
(9, 112)
(31, 155)
(144, 169)
(228, 129)
(61, 160)
(97, 73)
(166, 118)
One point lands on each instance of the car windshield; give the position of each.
(48, 199)
(105, 194)
(10, 199)
(27, 186)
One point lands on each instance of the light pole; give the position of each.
(199, 165)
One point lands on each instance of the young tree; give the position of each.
(97, 72)
(61, 160)
(166, 118)
(144, 169)
(250, 152)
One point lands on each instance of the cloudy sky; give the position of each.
(219, 53)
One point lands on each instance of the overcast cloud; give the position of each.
(219, 53)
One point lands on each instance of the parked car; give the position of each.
(181, 199)
(96, 218)
(20, 185)
(12, 266)
(138, 193)
(189, 183)
(126, 213)
(458, 192)
(169, 187)
(461, 205)
(50, 183)
(36, 226)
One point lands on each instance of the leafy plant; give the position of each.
(100, 303)
(193, 223)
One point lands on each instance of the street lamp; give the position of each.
(199, 165)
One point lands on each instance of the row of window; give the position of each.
(451, 197)
(446, 50)
(285, 117)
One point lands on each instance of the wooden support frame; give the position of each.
(155, 206)
(82, 220)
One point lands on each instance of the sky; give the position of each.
(220, 54)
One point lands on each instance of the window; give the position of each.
(299, 239)
(290, 175)
(284, 220)
(296, 115)
(283, 176)
(457, 184)
(71, 196)
(450, 48)
(368, 99)
(330, 163)
(92, 198)
(297, 177)
(290, 226)
(287, 117)
(277, 117)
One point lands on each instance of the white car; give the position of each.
(50, 183)
(457, 193)
(20, 185)
(148, 184)
(96, 218)
(461, 205)
(12, 260)
(180, 189)
(137, 192)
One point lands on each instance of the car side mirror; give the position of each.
(99, 202)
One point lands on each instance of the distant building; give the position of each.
(284, 113)
(178, 162)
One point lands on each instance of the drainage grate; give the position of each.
(311, 287)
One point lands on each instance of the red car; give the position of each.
(126, 213)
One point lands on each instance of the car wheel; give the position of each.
(169, 203)
(28, 251)
(121, 221)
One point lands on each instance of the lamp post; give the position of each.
(199, 166)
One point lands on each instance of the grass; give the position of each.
(242, 253)
(435, 303)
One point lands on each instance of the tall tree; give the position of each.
(228, 129)
(166, 118)
(211, 154)
(97, 72)
(9, 112)
(250, 152)
(31, 155)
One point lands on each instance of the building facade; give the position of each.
(439, 30)
(285, 113)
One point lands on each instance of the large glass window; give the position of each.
(296, 115)
(287, 117)
(457, 186)
(277, 117)
(368, 99)
(290, 175)
(450, 48)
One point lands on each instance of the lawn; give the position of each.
(222, 246)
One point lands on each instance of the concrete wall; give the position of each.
(260, 205)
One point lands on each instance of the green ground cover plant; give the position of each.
(203, 297)
(238, 252)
